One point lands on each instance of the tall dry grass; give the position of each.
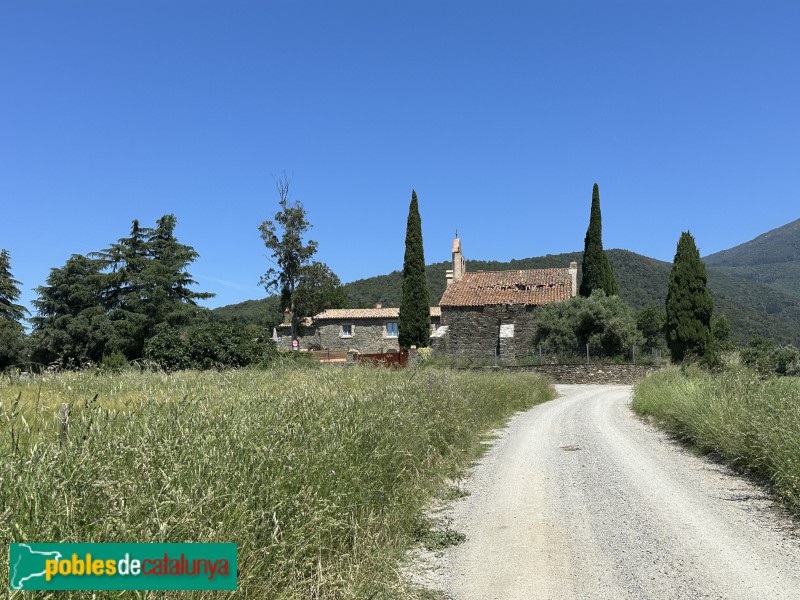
(319, 475)
(753, 423)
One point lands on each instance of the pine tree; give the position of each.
(124, 262)
(116, 299)
(72, 326)
(12, 334)
(165, 278)
(689, 304)
(597, 271)
(9, 292)
(415, 320)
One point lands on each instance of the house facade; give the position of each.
(364, 330)
(490, 314)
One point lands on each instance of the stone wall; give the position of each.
(474, 332)
(369, 336)
(598, 374)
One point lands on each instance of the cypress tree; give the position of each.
(597, 271)
(689, 304)
(415, 320)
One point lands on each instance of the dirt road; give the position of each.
(579, 499)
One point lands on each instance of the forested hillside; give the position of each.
(772, 259)
(754, 309)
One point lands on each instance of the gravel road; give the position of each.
(580, 499)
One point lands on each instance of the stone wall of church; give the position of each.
(476, 333)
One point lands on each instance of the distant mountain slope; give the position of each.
(783, 277)
(781, 245)
(265, 312)
(772, 259)
(753, 308)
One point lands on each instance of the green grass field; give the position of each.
(320, 476)
(753, 423)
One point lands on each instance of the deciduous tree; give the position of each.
(651, 321)
(721, 332)
(290, 253)
(414, 323)
(603, 322)
(319, 288)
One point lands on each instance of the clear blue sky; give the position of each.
(500, 114)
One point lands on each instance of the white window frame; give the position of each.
(386, 330)
(342, 334)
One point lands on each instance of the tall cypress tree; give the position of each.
(689, 304)
(415, 319)
(597, 271)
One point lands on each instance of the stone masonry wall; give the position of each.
(474, 332)
(587, 374)
(369, 337)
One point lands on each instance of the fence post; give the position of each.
(587, 355)
(63, 422)
(413, 357)
(633, 353)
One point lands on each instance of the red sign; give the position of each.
(295, 344)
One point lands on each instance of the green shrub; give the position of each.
(599, 320)
(207, 346)
(114, 362)
(767, 358)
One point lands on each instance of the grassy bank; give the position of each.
(320, 475)
(752, 423)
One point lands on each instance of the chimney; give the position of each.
(379, 305)
(459, 264)
(573, 272)
(448, 275)
(286, 319)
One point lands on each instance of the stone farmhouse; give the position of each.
(485, 314)
(364, 330)
(489, 314)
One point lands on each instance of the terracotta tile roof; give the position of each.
(366, 313)
(485, 288)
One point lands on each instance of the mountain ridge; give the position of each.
(776, 246)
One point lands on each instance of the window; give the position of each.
(391, 329)
(347, 331)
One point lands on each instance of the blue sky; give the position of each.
(500, 114)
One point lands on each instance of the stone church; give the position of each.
(489, 314)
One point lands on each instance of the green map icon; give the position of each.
(27, 564)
